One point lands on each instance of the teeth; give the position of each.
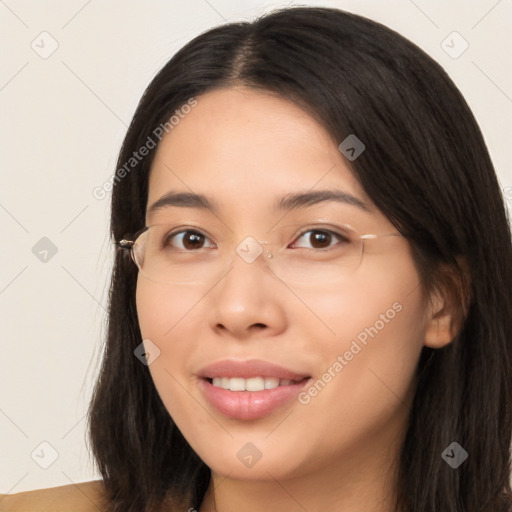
(271, 382)
(237, 384)
(252, 384)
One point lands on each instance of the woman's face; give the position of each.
(357, 337)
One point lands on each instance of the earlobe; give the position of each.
(440, 329)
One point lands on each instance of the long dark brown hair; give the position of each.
(425, 166)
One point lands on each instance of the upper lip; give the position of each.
(248, 369)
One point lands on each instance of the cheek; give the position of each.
(171, 318)
(370, 356)
(163, 309)
(376, 306)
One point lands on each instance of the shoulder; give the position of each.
(82, 497)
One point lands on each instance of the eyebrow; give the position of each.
(183, 200)
(292, 201)
(304, 199)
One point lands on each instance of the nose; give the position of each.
(249, 298)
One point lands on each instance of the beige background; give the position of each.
(62, 120)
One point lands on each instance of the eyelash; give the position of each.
(339, 236)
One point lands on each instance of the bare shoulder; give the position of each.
(82, 497)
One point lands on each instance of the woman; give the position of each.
(310, 306)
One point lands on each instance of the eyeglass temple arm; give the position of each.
(364, 237)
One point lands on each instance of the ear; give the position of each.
(448, 305)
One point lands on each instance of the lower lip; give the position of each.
(250, 405)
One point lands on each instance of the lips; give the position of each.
(244, 404)
(250, 369)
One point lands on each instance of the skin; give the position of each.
(246, 149)
(81, 497)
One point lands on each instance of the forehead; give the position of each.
(248, 147)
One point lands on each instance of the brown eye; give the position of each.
(321, 239)
(187, 240)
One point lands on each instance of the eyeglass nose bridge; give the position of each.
(250, 249)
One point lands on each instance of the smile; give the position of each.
(251, 384)
(254, 400)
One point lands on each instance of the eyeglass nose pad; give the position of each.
(268, 254)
